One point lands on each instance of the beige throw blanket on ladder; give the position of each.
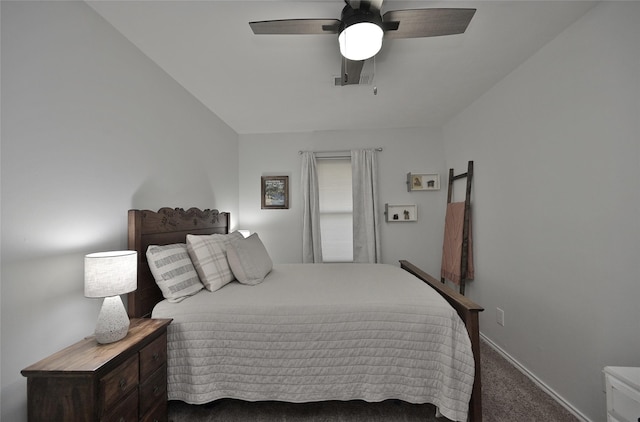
(452, 246)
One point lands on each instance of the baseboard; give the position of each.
(557, 397)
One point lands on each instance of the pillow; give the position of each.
(173, 271)
(249, 260)
(209, 256)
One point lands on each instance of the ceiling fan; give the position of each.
(361, 29)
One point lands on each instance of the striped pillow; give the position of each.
(173, 271)
(209, 256)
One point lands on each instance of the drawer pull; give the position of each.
(156, 356)
(156, 390)
(123, 383)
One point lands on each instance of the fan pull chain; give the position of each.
(375, 88)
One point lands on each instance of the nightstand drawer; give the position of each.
(153, 391)
(158, 414)
(115, 385)
(126, 411)
(153, 356)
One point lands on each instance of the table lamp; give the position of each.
(108, 275)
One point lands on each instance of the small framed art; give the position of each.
(275, 192)
(423, 181)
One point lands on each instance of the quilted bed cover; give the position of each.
(315, 332)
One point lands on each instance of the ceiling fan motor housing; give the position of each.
(351, 16)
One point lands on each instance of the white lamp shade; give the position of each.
(110, 273)
(360, 41)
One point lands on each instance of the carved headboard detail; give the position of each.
(164, 227)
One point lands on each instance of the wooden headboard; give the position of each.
(164, 227)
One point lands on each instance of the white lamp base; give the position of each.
(113, 321)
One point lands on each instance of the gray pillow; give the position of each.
(249, 260)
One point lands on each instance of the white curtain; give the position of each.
(311, 242)
(366, 236)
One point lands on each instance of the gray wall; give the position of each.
(90, 128)
(404, 150)
(557, 204)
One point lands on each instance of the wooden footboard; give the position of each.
(468, 311)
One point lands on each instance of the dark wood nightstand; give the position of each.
(121, 381)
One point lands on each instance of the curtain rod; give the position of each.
(379, 149)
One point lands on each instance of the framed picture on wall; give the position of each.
(423, 181)
(275, 192)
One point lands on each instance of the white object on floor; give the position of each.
(623, 393)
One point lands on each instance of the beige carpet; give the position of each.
(507, 396)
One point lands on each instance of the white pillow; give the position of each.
(249, 260)
(209, 256)
(173, 271)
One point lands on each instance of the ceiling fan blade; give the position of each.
(417, 23)
(350, 73)
(296, 26)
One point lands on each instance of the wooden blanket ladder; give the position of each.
(467, 216)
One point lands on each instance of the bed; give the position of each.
(311, 332)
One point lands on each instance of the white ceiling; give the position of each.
(284, 83)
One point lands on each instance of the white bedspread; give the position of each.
(313, 332)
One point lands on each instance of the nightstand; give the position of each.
(623, 393)
(121, 381)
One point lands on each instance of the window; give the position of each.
(336, 209)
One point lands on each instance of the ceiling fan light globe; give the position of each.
(360, 41)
